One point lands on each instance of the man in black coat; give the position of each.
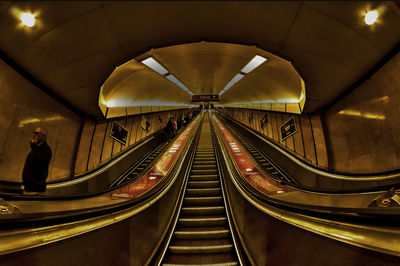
(36, 166)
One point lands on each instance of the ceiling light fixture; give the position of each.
(371, 17)
(255, 62)
(153, 64)
(28, 19)
(235, 79)
(160, 69)
(174, 80)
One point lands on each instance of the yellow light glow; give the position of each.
(130, 103)
(35, 120)
(375, 116)
(29, 121)
(366, 115)
(371, 17)
(28, 19)
(287, 100)
(350, 112)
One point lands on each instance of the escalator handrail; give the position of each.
(375, 237)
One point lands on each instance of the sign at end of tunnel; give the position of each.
(205, 98)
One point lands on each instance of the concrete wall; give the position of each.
(97, 147)
(363, 129)
(23, 107)
(307, 143)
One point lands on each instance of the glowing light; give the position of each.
(371, 17)
(249, 169)
(280, 191)
(28, 19)
(287, 100)
(129, 103)
(122, 195)
(254, 63)
(366, 115)
(178, 83)
(157, 67)
(153, 64)
(235, 79)
(152, 177)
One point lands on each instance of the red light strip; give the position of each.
(247, 168)
(159, 169)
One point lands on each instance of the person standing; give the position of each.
(36, 166)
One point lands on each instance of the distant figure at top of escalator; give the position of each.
(36, 166)
(187, 119)
(170, 129)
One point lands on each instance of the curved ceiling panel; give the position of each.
(78, 44)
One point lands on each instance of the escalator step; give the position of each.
(204, 166)
(233, 263)
(203, 177)
(205, 162)
(209, 210)
(201, 234)
(203, 184)
(204, 158)
(204, 171)
(198, 201)
(203, 191)
(207, 221)
(198, 159)
(200, 249)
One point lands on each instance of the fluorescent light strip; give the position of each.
(157, 67)
(250, 66)
(254, 63)
(235, 79)
(153, 64)
(174, 80)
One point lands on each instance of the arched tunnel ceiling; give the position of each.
(205, 68)
(75, 46)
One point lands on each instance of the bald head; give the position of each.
(41, 130)
(39, 135)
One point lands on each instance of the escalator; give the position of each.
(284, 167)
(202, 234)
(140, 167)
(266, 164)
